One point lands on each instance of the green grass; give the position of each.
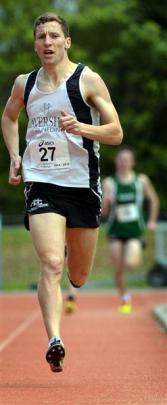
(21, 266)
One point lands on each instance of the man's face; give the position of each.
(125, 161)
(50, 43)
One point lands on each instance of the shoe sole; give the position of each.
(55, 356)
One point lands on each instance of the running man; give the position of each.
(60, 167)
(123, 197)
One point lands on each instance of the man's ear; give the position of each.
(67, 43)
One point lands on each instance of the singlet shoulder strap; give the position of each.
(80, 68)
(77, 72)
(114, 185)
(29, 85)
(137, 181)
(139, 188)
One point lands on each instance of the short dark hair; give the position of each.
(47, 17)
(126, 148)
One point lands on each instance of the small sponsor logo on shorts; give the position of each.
(37, 203)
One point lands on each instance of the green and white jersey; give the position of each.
(126, 219)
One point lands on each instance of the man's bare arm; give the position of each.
(152, 197)
(97, 95)
(107, 200)
(10, 128)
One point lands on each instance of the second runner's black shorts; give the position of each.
(80, 206)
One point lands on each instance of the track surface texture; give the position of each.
(111, 359)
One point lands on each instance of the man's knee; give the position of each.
(133, 254)
(52, 263)
(78, 278)
(133, 263)
(74, 284)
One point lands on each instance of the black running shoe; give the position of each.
(55, 355)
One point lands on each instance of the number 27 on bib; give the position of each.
(49, 154)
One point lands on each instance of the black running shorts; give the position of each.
(80, 206)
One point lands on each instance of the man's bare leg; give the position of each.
(70, 304)
(80, 254)
(133, 254)
(48, 234)
(116, 251)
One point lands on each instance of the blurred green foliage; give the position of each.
(125, 41)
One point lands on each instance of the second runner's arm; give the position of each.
(153, 200)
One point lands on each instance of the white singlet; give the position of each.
(52, 155)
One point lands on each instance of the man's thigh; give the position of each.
(81, 247)
(133, 253)
(48, 233)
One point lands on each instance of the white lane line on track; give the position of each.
(21, 328)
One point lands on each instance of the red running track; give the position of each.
(111, 359)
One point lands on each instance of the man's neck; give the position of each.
(59, 72)
(125, 177)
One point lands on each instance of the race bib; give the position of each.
(127, 212)
(49, 154)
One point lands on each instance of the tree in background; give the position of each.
(129, 48)
(126, 42)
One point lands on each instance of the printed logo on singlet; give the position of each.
(36, 204)
(47, 121)
(45, 109)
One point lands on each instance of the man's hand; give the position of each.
(14, 177)
(70, 124)
(151, 225)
